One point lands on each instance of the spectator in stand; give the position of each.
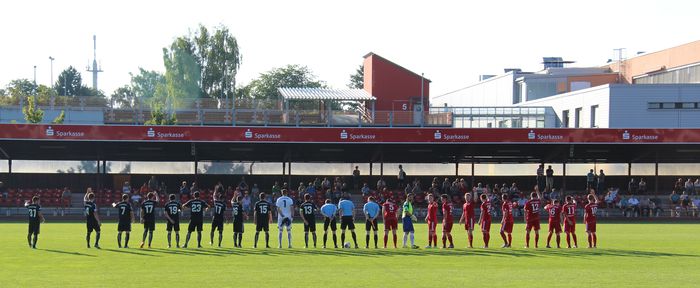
(642, 186)
(275, 188)
(126, 188)
(601, 182)
(243, 186)
(144, 188)
(590, 180)
(329, 194)
(623, 205)
(401, 177)
(697, 186)
(381, 184)
(219, 188)
(541, 181)
(435, 188)
(163, 190)
(478, 190)
(679, 186)
(549, 173)
(3, 190)
(255, 190)
(136, 200)
(463, 187)
(233, 193)
(554, 195)
(194, 188)
(365, 189)
(696, 204)
(632, 187)
(317, 184)
(153, 184)
(505, 189)
(689, 186)
(417, 187)
(356, 178)
(446, 185)
(514, 191)
(644, 208)
(633, 206)
(685, 203)
(246, 201)
(653, 208)
(310, 189)
(326, 184)
(302, 188)
(184, 190)
(454, 188)
(65, 199)
(675, 203)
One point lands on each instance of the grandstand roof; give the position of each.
(325, 94)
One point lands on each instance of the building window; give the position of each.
(673, 105)
(654, 105)
(594, 109)
(577, 114)
(565, 118)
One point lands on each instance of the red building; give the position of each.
(397, 90)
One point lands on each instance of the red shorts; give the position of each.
(590, 227)
(485, 225)
(391, 224)
(507, 227)
(554, 227)
(432, 226)
(447, 226)
(569, 228)
(533, 225)
(469, 224)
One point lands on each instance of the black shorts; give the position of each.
(263, 224)
(329, 222)
(173, 226)
(311, 227)
(217, 224)
(195, 226)
(92, 225)
(238, 226)
(124, 225)
(371, 225)
(346, 222)
(34, 227)
(149, 225)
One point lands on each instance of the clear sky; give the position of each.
(452, 42)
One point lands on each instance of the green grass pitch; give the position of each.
(630, 255)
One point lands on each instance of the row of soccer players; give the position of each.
(330, 212)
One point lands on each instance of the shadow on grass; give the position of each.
(67, 252)
(132, 251)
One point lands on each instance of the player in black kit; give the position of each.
(262, 217)
(308, 212)
(197, 208)
(92, 218)
(126, 216)
(172, 214)
(148, 217)
(217, 220)
(35, 220)
(238, 215)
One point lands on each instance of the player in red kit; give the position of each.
(569, 210)
(447, 221)
(507, 221)
(554, 211)
(468, 217)
(532, 218)
(431, 219)
(389, 210)
(485, 219)
(589, 217)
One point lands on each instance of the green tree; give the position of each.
(160, 117)
(291, 76)
(219, 57)
(60, 118)
(357, 80)
(69, 82)
(182, 72)
(123, 97)
(32, 113)
(145, 84)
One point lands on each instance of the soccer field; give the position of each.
(628, 255)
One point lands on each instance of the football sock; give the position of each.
(575, 241)
(342, 238)
(405, 237)
(335, 240)
(29, 239)
(211, 236)
(97, 239)
(325, 238)
(505, 240)
(240, 239)
(177, 238)
(119, 239)
(537, 239)
(595, 240)
(449, 238)
(126, 239)
(169, 238)
(413, 243)
(257, 234)
(549, 238)
(435, 239)
(444, 240)
(150, 238)
(235, 239)
(187, 238)
(527, 239)
(279, 237)
(386, 239)
(289, 237)
(487, 236)
(471, 239)
(568, 240)
(145, 233)
(367, 239)
(510, 239)
(306, 239)
(199, 238)
(314, 236)
(558, 240)
(354, 237)
(376, 239)
(590, 241)
(221, 238)
(87, 238)
(395, 240)
(267, 239)
(36, 238)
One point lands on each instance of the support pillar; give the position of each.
(370, 168)
(563, 179)
(473, 178)
(456, 169)
(656, 177)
